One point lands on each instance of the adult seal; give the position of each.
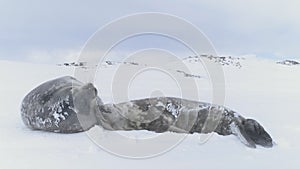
(62, 105)
(66, 105)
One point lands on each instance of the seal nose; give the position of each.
(91, 87)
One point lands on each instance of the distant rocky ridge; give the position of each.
(188, 74)
(104, 64)
(288, 62)
(110, 63)
(223, 60)
(80, 64)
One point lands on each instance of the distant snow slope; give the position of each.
(260, 89)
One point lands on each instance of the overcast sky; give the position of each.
(51, 31)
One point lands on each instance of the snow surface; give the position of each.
(260, 89)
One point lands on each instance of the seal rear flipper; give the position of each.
(242, 135)
(257, 133)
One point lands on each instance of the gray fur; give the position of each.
(181, 116)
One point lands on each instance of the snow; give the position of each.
(260, 89)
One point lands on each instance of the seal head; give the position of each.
(63, 105)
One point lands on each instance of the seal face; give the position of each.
(51, 107)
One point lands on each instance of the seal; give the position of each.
(57, 106)
(178, 115)
(65, 105)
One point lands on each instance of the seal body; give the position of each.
(51, 107)
(181, 116)
(66, 105)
